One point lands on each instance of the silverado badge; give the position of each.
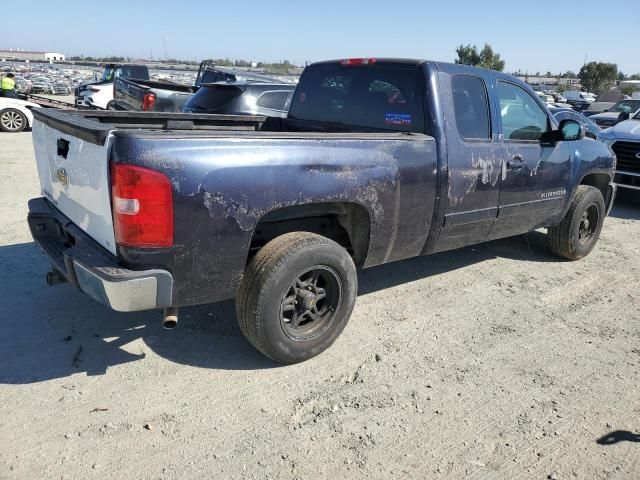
(62, 176)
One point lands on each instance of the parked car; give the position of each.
(591, 129)
(271, 100)
(624, 140)
(100, 94)
(15, 114)
(61, 88)
(550, 101)
(378, 160)
(578, 100)
(615, 114)
(40, 86)
(147, 95)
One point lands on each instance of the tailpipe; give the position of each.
(170, 320)
(54, 278)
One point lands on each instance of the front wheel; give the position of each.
(296, 296)
(12, 120)
(578, 233)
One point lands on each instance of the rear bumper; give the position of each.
(87, 266)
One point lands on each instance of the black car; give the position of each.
(592, 130)
(269, 99)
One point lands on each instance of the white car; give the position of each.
(96, 96)
(15, 115)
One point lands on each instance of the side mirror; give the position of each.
(570, 130)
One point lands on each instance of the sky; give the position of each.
(530, 36)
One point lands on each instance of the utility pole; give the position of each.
(164, 45)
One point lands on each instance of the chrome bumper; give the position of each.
(87, 266)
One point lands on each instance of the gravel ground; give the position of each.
(496, 361)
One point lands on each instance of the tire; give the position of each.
(578, 233)
(278, 285)
(111, 105)
(12, 120)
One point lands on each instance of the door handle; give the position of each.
(516, 163)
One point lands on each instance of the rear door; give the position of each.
(535, 170)
(474, 157)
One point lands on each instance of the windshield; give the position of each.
(628, 106)
(107, 73)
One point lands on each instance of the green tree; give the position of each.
(628, 90)
(485, 58)
(598, 76)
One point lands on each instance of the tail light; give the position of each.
(148, 101)
(358, 61)
(142, 206)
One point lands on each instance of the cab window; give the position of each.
(471, 107)
(523, 119)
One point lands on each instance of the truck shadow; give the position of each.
(55, 332)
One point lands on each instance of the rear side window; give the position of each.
(275, 100)
(372, 97)
(471, 107)
(133, 71)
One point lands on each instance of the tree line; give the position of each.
(594, 76)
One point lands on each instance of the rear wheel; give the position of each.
(578, 233)
(296, 296)
(12, 120)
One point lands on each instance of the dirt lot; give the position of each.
(497, 361)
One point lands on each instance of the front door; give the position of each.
(474, 155)
(535, 169)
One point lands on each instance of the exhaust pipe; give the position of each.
(54, 278)
(170, 320)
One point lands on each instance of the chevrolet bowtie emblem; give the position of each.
(62, 176)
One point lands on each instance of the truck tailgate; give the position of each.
(72, 154)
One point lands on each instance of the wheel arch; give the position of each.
(600, 181)
(347, 223)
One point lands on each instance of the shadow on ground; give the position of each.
(619, 436)
(54, 332)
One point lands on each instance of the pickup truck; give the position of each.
(99, 94)
(378, 160)
(154, 96)
(624, 140)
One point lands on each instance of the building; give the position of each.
(18, 54)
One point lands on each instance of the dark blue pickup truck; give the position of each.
(377, 161)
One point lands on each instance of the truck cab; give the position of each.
(99, 94)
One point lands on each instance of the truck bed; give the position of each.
(94, 125)
(129, 94)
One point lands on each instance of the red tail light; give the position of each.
(148, 101)
(358, 61)
(142, 206)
